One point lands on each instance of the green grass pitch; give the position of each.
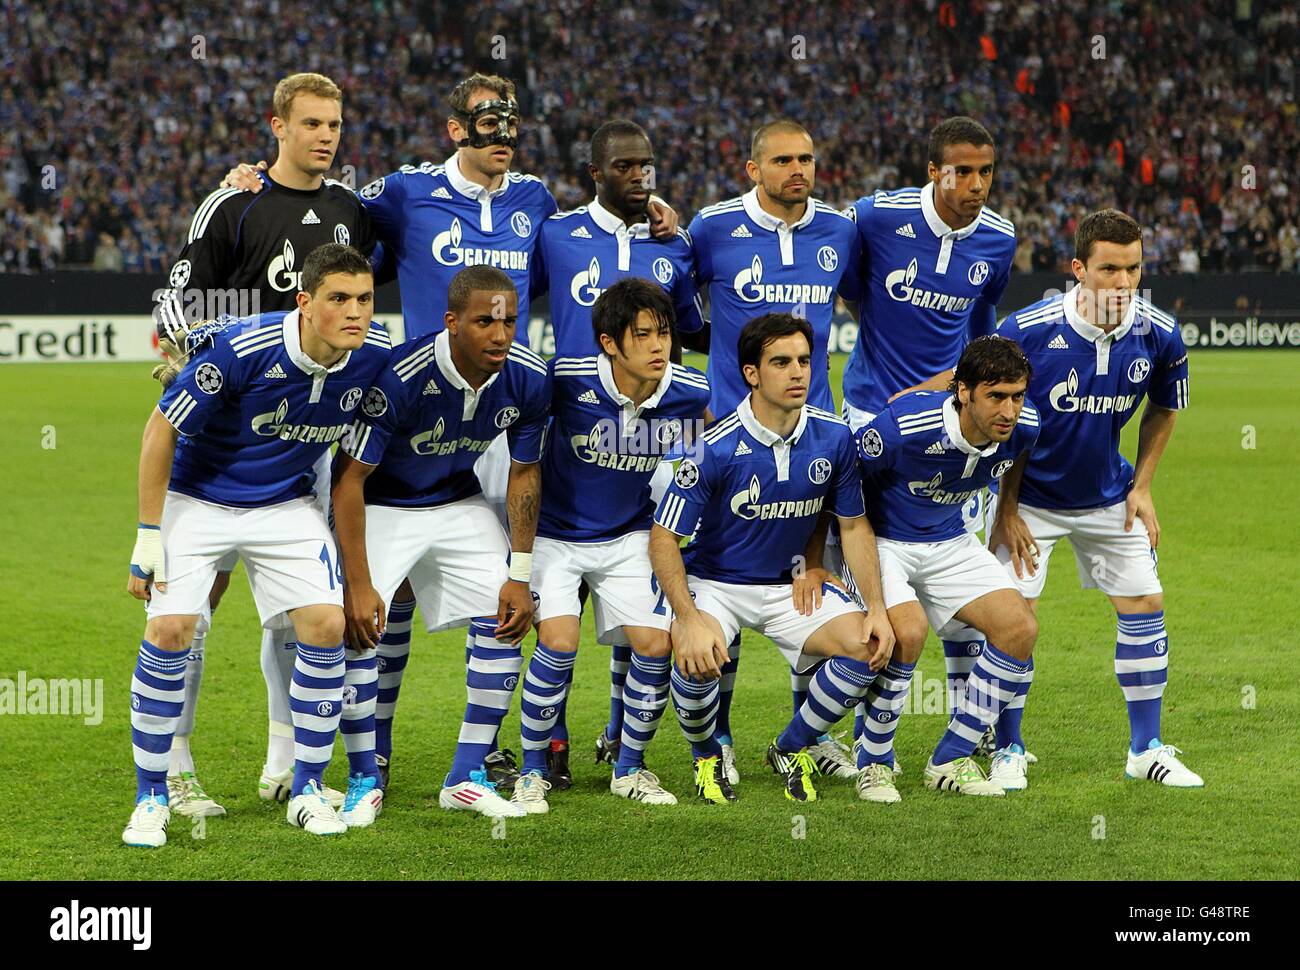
(1227, 502)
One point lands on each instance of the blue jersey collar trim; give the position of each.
(936, 224)
(952, 427)
(765, 220)
(1086, 330)
(467, 188)
(442, 355)
(766, 436)
(606, 373)
(293, 344)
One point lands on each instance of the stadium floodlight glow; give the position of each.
(507, 127)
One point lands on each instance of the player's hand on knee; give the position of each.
(807, 589)
(1140, 505)
(1011, 533)
(878, 637)
(244, 176)
(148, 565)
(514, 611)
(364, 611)
(700, 653)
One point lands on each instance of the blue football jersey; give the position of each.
(1088, 386)
(753, 263)
(424, 426)
(603, 450)
(255, 413)
(436, 222)
(756, 498)
(918, 469)
(919, 283)
(584, 252)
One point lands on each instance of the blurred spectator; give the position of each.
(107, 255)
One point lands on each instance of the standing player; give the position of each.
(1096, 351)
(763, 475)
(226, 466)
(250, 248)
(616, 417)
(408, 504)
(774, 249)
(923, 457)
(580, 254)
(935, 262)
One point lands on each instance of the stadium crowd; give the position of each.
(116, 119)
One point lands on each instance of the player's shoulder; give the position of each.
(230, 203)
(824, 416)
(720, 210)
(561, 216)
(423, 169)
(843, 223)
(252, 335)
(1029, 419)
(574, 368)
(1149, 312)
(525, 364)
(1036, 320)
(992, 221)
(717, 435)
(908, 197)
(378, 337)
(412, 357)
(530, 187)
(691, 384)
(917, 412)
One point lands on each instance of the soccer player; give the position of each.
(247, 248)
(935, 261)
(580, 254)
(616, 416)
(408, 504)
(923, 457)
(756, 489)
(773, 249)
(1096, 351)
(227, 466)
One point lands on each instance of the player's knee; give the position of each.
(1020, 636)
(171, 632)
(653, 644)
(1154, 603)
(909, 638)
(321, 626)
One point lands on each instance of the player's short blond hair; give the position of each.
(296, 84)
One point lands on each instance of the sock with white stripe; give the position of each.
(1142, 668)
(799, 687)
(885, 700)
(992, 684)
(394, 650)
(560, 733)
(545, 682)
(697, 711)
(727, 687)
(960, 651)
(836, 687)
(493, 673)
(1008, 727)
(157, 696)
(279, 655)
(181, 759)
(620, 659)
(360, 692)
(645, 695)
(316, 699)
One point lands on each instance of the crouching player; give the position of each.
(408, 504)
(923, 458)
(756, 487)
(226, 466)
(616, 416)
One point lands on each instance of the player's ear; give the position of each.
(450, 322)
(303, 300)
(751, 169)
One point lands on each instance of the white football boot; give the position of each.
(961, 775)
(530, 793)
(311, 813)
(729, 764)
(642, 786)
(1159, 763)
(186, 796)
(1008, 768)
(833, 758)
(148, 826)
(479, 795)
(277, 788)
(875, 783)
(364, 802)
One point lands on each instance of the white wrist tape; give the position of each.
(521, 566)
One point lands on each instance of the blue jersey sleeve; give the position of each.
(209, 381)
(526, 436)
(879, 444)
(997, 282)
(1168, 387)
(851, 281)
(385, 201)
(382, 409)
(686, 498)
(846, 491)
(983, 319)
(860, 213)
(686, 297)
(700, 250)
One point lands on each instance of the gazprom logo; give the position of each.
(1065, 398)
(747, 506)
(583, 288)
(279, 272)
(898, 285)
(746, 283)
(447, 250)
(446, 245)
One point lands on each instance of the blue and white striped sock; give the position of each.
(490, 681)
(316, 702)
(545, 681)
(992, 684)
(697, 712)
(836, 687)
(360, 693)
(394, 650)
(193, 678)
(799, 687)
(1008, 729)
(960, 651)
(645, 695)
(560, 733)
(727, 687)
(157, 696)
(620, 659)
(884, 702)
(1142, 668)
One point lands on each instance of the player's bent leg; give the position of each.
(316, 704)
(696, 704)
(185, 793)
(393, 652)
(645, 695)
(546, 680)
(884, 703)
(727, 690)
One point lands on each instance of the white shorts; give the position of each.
(941, 576)
(660, 480)
(287, 549)
(322, 469)
(493, 471)
(618, 573)
(770, 611)
(1118, 563)
(455, 556)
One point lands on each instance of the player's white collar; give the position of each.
(467, 188)
(613, 225)
(293, 344)
(770, 222)
(1086, 330)
(952, 428)
(442, 355)
(606, 372)
(936, 224)
(780, 446)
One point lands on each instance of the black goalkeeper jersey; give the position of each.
(244, 251)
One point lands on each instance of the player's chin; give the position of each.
(495, 359)
(351, 338)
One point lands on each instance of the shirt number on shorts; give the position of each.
(661, 607)
(332, 570)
